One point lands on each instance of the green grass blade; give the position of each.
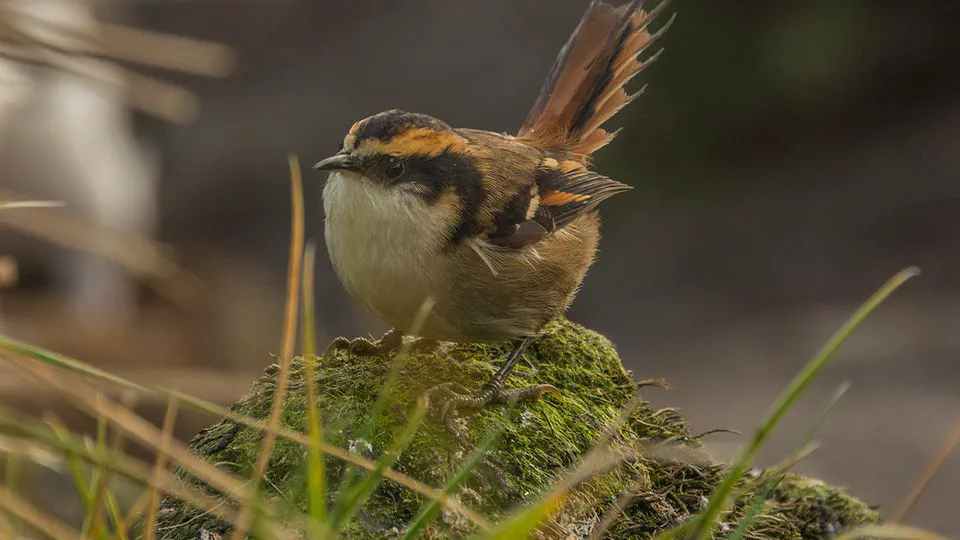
(523, 522)
(91, 518)
(116, 518)
(431, 510)
(73, 463)
(194, 403)
(753, 511)
(65, 363)
(316, 469)
(787, 399)
(11, 482)
(73, 447)
(383, 399)
(357, 496)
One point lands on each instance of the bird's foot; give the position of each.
(455, 400)
(390, 342)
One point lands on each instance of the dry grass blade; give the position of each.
(135, 253)
(932, 468)
(132, 425)
(162, 99)
(70, 365)
(166, 101)
(35, 453)
(286, 348)
(136, 45)
(27, 38)
(167, 51)
(45, 523)
(60, 440)
(13, 205)
(612, 514)
(169, 419)
(136, 509)
(103, 498)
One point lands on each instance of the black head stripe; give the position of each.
(386, 125)
(450, 171)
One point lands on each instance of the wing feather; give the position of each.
(564, 191)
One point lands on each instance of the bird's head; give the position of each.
(402, 150)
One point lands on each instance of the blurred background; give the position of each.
(788, 158)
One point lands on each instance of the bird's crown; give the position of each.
(402, 134)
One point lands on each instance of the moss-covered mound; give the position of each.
(537, 445)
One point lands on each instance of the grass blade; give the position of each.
(383, 397)
(523, 522)
(230, 485)
(153, 499)
(71, 365)
(431, 510)
(787, 399)
(316, 471)
(73, 447)
(932, 468)
(753, 511)
(357, 495)
(91, 522)
(12, 205)
(286, 348)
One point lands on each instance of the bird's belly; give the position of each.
(391, 284)
(384, 254)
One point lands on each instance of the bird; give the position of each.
(493, 232)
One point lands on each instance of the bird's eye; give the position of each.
(393, 170)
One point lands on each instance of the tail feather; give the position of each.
(586, 85)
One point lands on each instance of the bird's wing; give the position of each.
(585, 88)
(564, 190)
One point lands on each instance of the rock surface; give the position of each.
(537, 444)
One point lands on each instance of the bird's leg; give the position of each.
(459, 398)
(390, 342)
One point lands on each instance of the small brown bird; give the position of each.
(497, 230)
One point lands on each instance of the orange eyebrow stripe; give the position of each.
(560, 198)
(424, 141)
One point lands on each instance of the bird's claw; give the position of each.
(389, 343)
(457, 399)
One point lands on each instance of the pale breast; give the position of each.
(384, 244)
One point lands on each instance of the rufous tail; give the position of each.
(585, 88)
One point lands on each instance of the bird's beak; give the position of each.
(344, 162)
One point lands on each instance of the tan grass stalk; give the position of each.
(933, 467)
(169, 419)
(286, 348)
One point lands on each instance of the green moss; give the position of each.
(536, 446)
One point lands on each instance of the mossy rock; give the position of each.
(537, 445)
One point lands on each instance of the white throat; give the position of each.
(384, 243)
